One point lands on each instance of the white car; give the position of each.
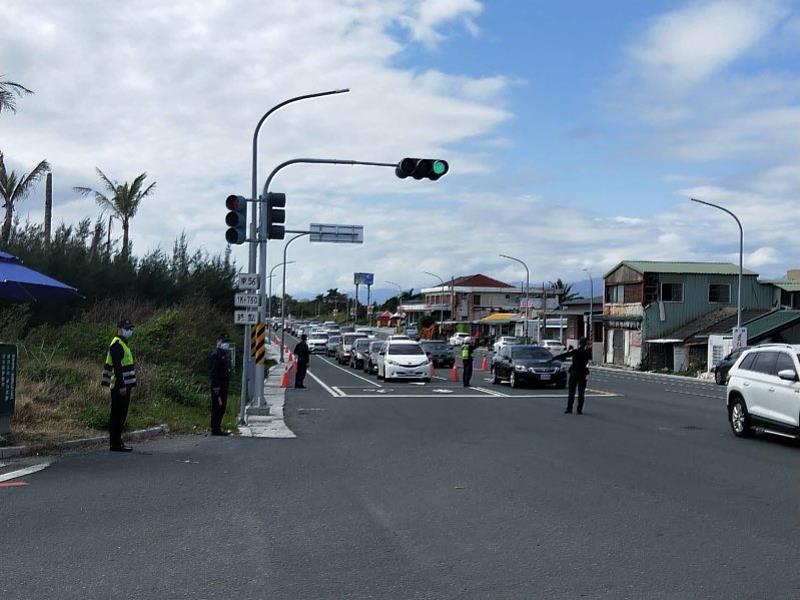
(553, 346)
(506, 340)
(368, 331)
(318, 342)
(459, 338)
(763, 393)
(403, 359)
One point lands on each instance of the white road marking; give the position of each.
(349, 372)
(323, 384)
(694, 394)
(491, 392)
(26, 471)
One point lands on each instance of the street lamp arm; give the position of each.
(321, 161)
(527, 290)
(722, 208)
(283, 289)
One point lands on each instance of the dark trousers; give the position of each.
(119, 412)
(300, 375)
(576, 380)
(467, 374)
(219, 403)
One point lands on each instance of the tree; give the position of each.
(121, 200)
(15, 187)
(563, 291)
(9, 92)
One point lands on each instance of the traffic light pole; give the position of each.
(258, 371)
(247, 362)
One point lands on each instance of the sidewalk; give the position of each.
(269, 423)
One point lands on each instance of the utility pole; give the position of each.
(591, 307)
(48, 207)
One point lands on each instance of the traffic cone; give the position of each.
(454, 374)
(285, 379)
(431, 369)
(485, 363)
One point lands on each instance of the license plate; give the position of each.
(544, 377)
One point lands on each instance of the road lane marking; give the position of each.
(677, 391)
(323, 384)
(491, 392)
(26, 471)
(349, 372)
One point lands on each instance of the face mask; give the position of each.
(225, 346)
(127, 333)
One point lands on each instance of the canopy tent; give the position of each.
(18, 283)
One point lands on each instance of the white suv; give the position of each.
(764, 391)
(403, 359)
(459, 338)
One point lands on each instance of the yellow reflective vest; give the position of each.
(128, 366)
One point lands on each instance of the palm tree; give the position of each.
(15, 187)
(563, 291)
(122, 201)
(9, 92)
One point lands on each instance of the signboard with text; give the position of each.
(336, 234)
(245, 317)
(247, 281)
(363, 278)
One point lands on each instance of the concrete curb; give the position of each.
(649, 373)
(20, 451)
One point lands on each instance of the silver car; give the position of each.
(371, 364)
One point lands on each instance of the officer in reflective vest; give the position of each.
(119, 374)
(466, 360)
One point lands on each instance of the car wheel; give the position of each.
(512, 380)
(426, 380)
(719, 378)
(495, 378)
(739, 419)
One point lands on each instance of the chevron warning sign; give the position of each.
(258, 336)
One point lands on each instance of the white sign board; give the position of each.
(739, 338)
(245, 317)
(245, 300)
(338, 234)
(247, 281)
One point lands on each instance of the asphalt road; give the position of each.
(410, 491)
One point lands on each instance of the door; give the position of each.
(618, 342)
(759, 386)
(786, 397)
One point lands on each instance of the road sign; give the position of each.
(245, 300)
(337, 234)
(247, 281)
(363, 278)
(739, 338)
(245, 317)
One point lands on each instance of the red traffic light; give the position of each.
(235, 202)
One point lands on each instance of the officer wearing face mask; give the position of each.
(220, 378)
(119, 374)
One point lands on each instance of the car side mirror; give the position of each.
(381, 352)
(788, 375)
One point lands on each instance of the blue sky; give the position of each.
(576, 131)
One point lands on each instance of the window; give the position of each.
(765, 362)
(785, 363)
(719, 293)
(615, 294)
(747, 362)
(476, 299)
(672, 292)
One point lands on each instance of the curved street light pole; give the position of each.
(741, 257)
(591, 308)
(283, 290)
(269, 294)
(441, 310)
(527, 290)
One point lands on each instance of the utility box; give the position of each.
(8, 385)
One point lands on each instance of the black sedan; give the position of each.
(528, 364)
(440, 354)
(723, 366)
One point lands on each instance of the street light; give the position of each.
(527, 290)
(741, 258)
(441, 310)
(271, 275)
(283, 289)
(591, 306)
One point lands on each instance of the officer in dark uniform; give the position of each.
(467, 350)
(220, 379)
(578, 373)
(119, 375)
(303, 356)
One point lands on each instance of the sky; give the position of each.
(576, 132)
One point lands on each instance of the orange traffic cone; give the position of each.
(285, 378)
(431, 369)
(454, 374)
(485, 363)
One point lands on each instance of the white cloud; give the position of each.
(428, 16)
(690, 44)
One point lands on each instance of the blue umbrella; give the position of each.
(18, 283)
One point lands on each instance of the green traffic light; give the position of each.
(439, 167)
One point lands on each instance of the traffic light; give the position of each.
(421, 168)
(236, 219)
(275, 215)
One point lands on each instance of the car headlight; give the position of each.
(391, 362)
(564, 367)
(520, 368)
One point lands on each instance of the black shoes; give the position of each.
(223, 433)
(121, 448)
(580, 412)
(568, 411)
(300, 387)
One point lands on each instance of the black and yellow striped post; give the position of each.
(258, 348)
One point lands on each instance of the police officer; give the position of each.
(220, 379)
(578, 373)
(467, 350)
(119, 374)
(303, 356)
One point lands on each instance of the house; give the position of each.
(787, 291)
(647, 302)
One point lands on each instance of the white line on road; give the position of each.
(677, 391)
(26, 471)
(323, 384)
(369, 381)
(491, 392)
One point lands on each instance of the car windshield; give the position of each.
(319, 336)
(405, 349)
(434, 346)
(362, 344)
(352, 337)
(334, 339)
(531, 352)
